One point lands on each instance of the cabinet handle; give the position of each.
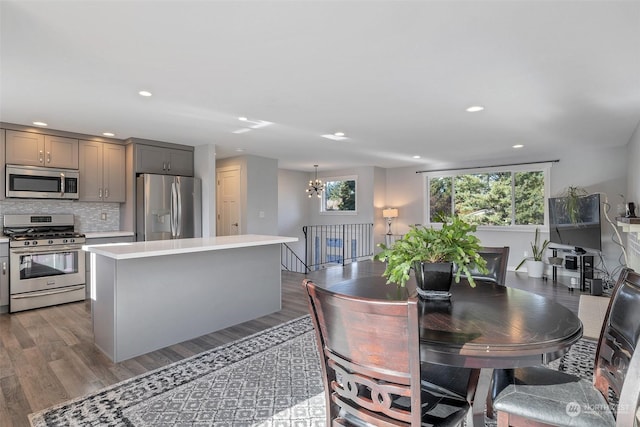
(40, 158)
(169, 166)
(48, 157)
(106, 193)
(164, 166)
(4, 268)
(100, 193)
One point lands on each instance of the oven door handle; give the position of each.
(45, 293)
(38, 249)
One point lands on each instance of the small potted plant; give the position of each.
(535, 266)
(433, 253)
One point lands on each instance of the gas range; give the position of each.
(47, 264)
(26, 230)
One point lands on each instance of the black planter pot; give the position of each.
(433, 279)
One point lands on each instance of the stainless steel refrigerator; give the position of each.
(168, 207)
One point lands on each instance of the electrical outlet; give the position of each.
(103, 216)
(261, 214)
(526, 254)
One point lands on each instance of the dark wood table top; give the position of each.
(489, 326)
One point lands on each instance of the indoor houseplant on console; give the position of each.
(535, 265)
(432, 253)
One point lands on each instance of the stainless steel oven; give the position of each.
(46, 261)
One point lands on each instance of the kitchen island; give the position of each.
(150, 295)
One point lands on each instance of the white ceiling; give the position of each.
(395, 76)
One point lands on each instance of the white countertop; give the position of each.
(181, 246)
(102, 234)
(4, 239)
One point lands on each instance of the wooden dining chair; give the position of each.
(370, 359)
(497, 259)
(542, 396)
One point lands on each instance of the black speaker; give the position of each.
(587, 266)
(596, 287)
(571, 262)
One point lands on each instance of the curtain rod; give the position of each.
(491, 166)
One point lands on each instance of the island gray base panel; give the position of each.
(144, 304)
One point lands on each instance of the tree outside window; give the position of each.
(497, 198)
(339, 195)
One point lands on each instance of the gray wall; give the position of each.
(633, 195)
(293, 207)
(598, 170)
(204, 163)
(259, 193)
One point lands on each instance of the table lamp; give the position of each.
(389, 214)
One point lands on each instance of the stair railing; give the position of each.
(339, 244)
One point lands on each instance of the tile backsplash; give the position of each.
(88, 215)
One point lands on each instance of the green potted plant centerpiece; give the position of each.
(432, 253)
(535, 266)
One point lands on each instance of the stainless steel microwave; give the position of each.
(35, 182)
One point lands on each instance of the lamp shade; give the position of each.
(390, 213)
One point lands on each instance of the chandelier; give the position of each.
(316, 186)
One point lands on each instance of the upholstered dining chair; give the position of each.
(541, 396)
(370, 359)
(497, 259)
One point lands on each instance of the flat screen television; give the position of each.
(582, 230)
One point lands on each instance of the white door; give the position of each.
(228, 202)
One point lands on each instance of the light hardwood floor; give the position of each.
(47, 355)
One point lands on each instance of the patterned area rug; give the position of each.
(269, 379)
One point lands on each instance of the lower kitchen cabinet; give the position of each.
(4, 278)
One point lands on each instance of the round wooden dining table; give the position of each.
(484, 327)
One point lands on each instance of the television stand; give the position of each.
(584, 265)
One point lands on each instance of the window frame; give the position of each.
(544, 167)
(323, 199)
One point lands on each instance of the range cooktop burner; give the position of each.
(41, 230)
(37, 236)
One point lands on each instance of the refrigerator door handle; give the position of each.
(173, 210)
(179, 209)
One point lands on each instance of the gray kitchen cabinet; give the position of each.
(34, 149)
(163, 160)
(3, 177)
(4, 278)
(102, 172)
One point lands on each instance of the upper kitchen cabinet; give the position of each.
(2, 163)
(33, 149)
(102, 172)
(164, 160)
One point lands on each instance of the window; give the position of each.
(505, 197)
(339, 195)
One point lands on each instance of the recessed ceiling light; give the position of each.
(144, 93)
(239, 150)
(40, 124)
(244, 119)
(257, 124)
(518, 146)
(416, 157)
(108, 134)
(475, 108)
(335, 136)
